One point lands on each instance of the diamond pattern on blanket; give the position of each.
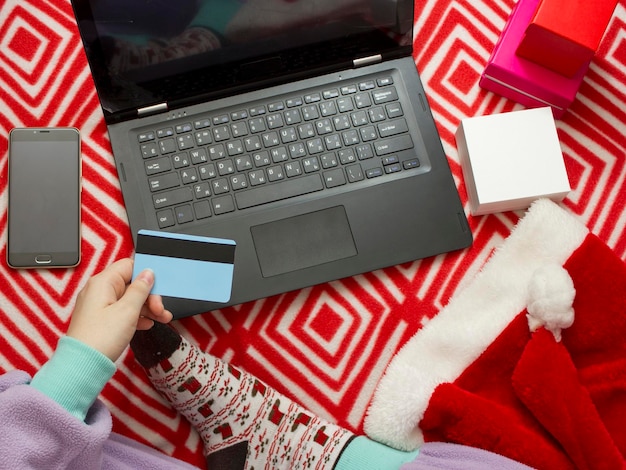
(326, 346)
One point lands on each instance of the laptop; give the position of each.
(298, 129)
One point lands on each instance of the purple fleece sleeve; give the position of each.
(37, 432)
(458, 457)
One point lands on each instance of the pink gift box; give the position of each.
(522, 80)
(563, 35)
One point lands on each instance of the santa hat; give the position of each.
(528, 360)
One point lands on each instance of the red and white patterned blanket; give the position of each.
(326, 346)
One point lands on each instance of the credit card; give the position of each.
(187, 266)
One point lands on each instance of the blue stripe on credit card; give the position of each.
(187, 266)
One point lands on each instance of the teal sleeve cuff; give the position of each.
(74, 376)
(365, 454)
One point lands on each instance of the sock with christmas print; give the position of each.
(243, 423)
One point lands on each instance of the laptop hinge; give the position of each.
(156, 108)
(363, 61)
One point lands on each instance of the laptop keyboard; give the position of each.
(231, 161)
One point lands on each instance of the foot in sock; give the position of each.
(243, 423)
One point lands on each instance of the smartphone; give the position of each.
(44, 198)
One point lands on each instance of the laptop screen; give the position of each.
(147, 52)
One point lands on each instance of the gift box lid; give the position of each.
(563, 35)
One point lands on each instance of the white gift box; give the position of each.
(511, 159)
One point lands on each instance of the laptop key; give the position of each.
(158, 165)
(408, 164)
(166, 181)
(170, 198)
(354, 172)
(396, 126)
(374, 172)
(165, 132)
(393, 168)
(182, 128)
(167, 146)
(183, 214)
(223, 204)
(165, 218)
(393, 144)
(149, 150)
(334, 178)
(385, 95)
(394, 110)
(202, 123)
(202, 209)
(278, 191)
(145, 136)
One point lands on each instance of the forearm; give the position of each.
(74, 376)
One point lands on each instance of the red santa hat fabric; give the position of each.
(528, 360)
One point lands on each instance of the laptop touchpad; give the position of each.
(303, 241)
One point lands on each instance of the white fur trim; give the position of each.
(473, 319)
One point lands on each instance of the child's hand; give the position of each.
(108, 309)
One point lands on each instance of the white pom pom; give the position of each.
(551, 294)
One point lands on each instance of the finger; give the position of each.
(117, 275)
(144, 323)
(155, 303)
(108, 285)
(165, 317)
(138, 291)
(155, 310)
(122, 267)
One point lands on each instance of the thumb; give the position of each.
(138, 291)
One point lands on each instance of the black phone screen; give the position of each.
(44, 197)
